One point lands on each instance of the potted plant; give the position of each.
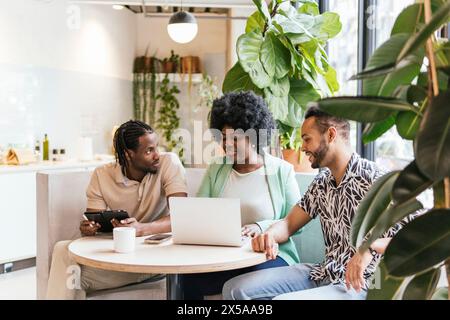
(282, 58)
(396, 93)
(172, 63)
(168, 120)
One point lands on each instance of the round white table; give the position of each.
(167, 258)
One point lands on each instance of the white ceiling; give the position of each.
(186, 3)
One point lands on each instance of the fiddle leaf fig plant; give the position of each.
(281, 57)
(396, 93)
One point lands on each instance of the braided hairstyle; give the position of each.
(127, 137)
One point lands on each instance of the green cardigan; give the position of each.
(283, 190)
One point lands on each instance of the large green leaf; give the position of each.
(300, 94)
(255, 22)
(420, 245)
(296, 59)
(280, 87)
(419, 39)
(263, 9)
(363, 109)
(311, 8)
(386, 287)
(297, 24)
(422, 286)
(331, 79)
(371, 206)
(442, 52)
(408, 20)
(407, 124)
(375, 130)
(388, 218)
(248, 49)
(298, 38)
(410, 183)
(239, 80)
(277, 105)
(326, 26)
(384, 85)
(432, 147)
(275, 57)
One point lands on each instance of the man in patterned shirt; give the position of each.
(334, 196)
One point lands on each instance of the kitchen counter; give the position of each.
(18, 200)
(52, 165)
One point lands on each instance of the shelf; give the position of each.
(179, 78)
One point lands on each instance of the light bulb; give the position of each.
(182, 27)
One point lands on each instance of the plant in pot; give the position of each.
(172, 63)
(189, 65)
(397, 93)
(168, 120)
(281, 57)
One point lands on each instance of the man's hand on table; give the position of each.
(130, 222)
(265, 243)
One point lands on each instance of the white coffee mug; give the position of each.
(124, 239)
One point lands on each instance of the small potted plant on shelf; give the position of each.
(172, 63)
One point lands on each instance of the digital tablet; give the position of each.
(104, 218)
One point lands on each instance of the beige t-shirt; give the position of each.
(145, 200)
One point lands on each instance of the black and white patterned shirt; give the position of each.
(336, 206)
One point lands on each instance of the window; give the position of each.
(343, 51)
(391, 151)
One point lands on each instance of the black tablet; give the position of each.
(104, 218)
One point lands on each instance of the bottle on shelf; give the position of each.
(37, 151)
(55, 155)
(45, 148)
(62, 155)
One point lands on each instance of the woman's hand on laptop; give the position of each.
(265, 243)
(251, 230)
(130, 222)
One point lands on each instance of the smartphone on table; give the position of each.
(157, 238)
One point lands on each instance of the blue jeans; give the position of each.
(197, 285)
(291, 283)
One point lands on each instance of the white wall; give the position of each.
(65, 70)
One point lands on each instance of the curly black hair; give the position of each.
(243, 110)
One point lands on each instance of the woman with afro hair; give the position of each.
(265, 185)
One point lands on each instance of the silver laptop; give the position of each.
(207, 221)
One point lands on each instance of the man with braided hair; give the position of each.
(140, 182)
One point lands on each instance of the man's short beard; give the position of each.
(151, 170)
(320, 154)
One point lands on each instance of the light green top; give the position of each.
(283, 189)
